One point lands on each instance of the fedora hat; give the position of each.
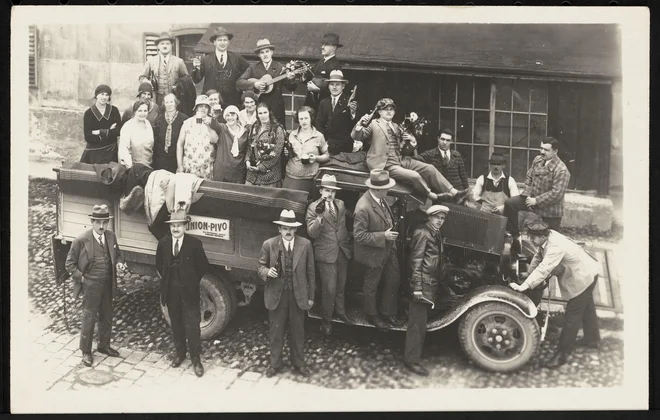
(332, 39)
(330, 182)
(145, 87)
(164, 36)
(379, 179)
(287, 218)
(263, 44)
(437, 208)
(384, 103)
(337, 76)
(220, 31)
(178, 216)
(497, 159)
(100, 212)
(201, 100)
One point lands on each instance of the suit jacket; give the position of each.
(379, 150)
(336, 125)
(304, 274)
(369, 226)
(208, 71)
(193, 264)
(274, 98)
(81, 254)
(327, 236)
(426, 260)
(322, 69)
(176, 68)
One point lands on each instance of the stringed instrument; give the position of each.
(351, 98)
(296, 67)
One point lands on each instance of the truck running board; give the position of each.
(354, 314)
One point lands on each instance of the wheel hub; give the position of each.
(499, 337)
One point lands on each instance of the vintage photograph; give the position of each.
(217, 204)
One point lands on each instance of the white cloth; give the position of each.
(174, 241)
(158, 190)
(479, 185)
(136, 143)
(185, 190)
(245, 119)
(236, 135)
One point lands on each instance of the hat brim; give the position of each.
(289, 224)
(163, 39)
(101, 218)
(177, 221)
(380, 187)
(337, 80)
(497, 162)
(213, 37)
(263, 47)
(329, 187)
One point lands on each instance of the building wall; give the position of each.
(616, 151)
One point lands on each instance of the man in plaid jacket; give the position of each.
(545, 187)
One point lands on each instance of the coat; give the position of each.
(274, 98)
(322, 68)
(176, 68)
(371, 247)
(209, 70)
(425, 261)
(81, 255)
(379, 149)
(336, 125)
(161, 158)
(327, 236)
(193, 264)
(304, 274)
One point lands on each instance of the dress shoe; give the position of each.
(326, 327)
(272, 371)
(303, 371)
(587, 343)
(393, 320)
(558, 360)
(109, 351)
(87, 359)
(461, 194)
(444, 197)
(343, 318)
(417, 368)
(376, 321)
(198, 368)
(176, 362)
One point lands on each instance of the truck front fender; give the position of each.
(486, 294)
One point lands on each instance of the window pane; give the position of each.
(466, 152)
(290, 125)
(481, 93)
(299, 101)
(521, 95)
(481, 127)
(519, 135)
(518, 165)
(464, 92)
(447, 117)
(533, 153)
(502, 128)
(448, 91)
(540, 97)
(503, 95)
(537, 130)
(464, 129)
(480, 163)
(504, 151)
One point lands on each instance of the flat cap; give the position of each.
(437, 208)
(538, 228)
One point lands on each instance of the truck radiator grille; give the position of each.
(473, 229)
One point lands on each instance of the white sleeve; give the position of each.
(478, 187)
(513, 187)
(124, 147)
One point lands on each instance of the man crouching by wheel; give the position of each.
(181, 263)
(426, 268)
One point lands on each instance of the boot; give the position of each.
(417, 368)
(558, 360)
(587, 343)
(376, 321)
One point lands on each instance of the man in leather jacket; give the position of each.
(426, 268)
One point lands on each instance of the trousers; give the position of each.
(424, 177)
(185, 319)
(97, 307)
(580, 312)
(515, 204)
(388, 274)
(333, 284)
(287, 312)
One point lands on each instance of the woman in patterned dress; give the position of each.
(264, 155)
(197, 143)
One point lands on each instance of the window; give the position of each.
(506, 116)
(293, 101)
(32, 46)
(150, 48)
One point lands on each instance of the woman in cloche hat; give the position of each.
(101, 124)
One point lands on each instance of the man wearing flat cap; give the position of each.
(93, 262)
(286, 266)
(163, 69)
(426, 270)
(221, 68)
(375, 248)
(322, 69)
(577, 274)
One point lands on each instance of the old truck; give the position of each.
(497, 326)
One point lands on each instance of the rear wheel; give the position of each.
(498, 337)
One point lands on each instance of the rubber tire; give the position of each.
(222, 293)
(529, 327)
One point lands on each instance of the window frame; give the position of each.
(33, 33)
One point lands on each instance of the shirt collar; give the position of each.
(314, 134)
(180, 242)
(328, 58)
(106, 113)
(490, 175)
(378, 200)
(289, 244)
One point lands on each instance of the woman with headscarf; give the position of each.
(229, 163)
(195, 151)
(264, 155)
(248, 114)
(136, 139)
(166, 134)
(101, 124)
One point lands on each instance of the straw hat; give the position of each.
(330, 182)
(337, 76)
(287, 218)
(178, 216)
(379, 179)
(263, 44)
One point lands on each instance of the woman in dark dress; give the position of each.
(166, 134)
(229, 163)
(264, 156)
(101, 124)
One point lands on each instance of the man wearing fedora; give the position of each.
(336, 116)
(181, 262)
(93, 262)
(145, 93)
(326, 225)
(375, 247)
(576, 281)
(266, 65)
(221, 68)
(163, 69)
(494, 188)
(426, 270)
(322, 69)
(387, 139)
(289, 292)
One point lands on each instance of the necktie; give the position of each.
(334, 102)
(176, 248)
(385, 210)
(101, 240)
(445, 158)
(331, 208)
(222, 60)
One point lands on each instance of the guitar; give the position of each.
(296, 67)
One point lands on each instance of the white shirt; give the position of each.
(288, 245)
(222, 57)
(328, 58)
(445, 154)
(267, 65)
(174, 243)
(378, 200)
(479, 185)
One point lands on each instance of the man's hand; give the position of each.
(409, 137)
(312, 87)
(290, 75)
(530, 201)
(272, 273)
(196, 62)
(418, 295)
(365, 119)
(96, 132)
(77, 289)
(352, 105)
(519, 287)
(310, 302)
(260, 85)
(390, 235)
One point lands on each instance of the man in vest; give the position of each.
(495, 187)
(163, 69)
(93, 262)
(322, 69)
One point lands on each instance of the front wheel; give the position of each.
(498, 337)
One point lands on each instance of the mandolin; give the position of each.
(297, 67)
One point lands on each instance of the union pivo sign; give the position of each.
(209, 227)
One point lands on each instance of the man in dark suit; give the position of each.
(322, 69)
(336, 115)
(266, 65)
(375, 247)
(326, 225)
(221, 68)
(93, 261)
(289, 291)
(181, 262)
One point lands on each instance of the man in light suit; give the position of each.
(576, 282)
(326, 225)
(375, 247)
(336, 115)
(289, 291)
(387, 139)
(93, 261)
(163, 69)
